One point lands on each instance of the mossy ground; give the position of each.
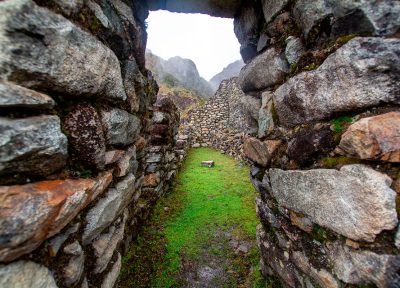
(194, 227)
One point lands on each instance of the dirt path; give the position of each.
(202, 234)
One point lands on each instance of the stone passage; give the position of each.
(224, 120)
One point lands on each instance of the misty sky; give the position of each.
(209, 41)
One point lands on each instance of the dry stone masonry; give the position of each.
(326, 156)
(86, 148)
(224, 120)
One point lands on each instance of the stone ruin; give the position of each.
(86, 150)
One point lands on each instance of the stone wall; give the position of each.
(224, 120)
(326, 156)
(83, 153)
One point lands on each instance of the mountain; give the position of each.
(232, 70)
(178, 72)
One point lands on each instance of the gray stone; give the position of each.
(85, 135)
(265, 115)
(348, 16)
(108, 208)
(356, 201)
(12, 95)
(53, 54)
(362, 73)
(361, 267)
(112, 276)
(73, 270)
(35, 145)
(54, 244)
(321, 276)
(155, 157)
(130, 74)
(69, 7)
(127, 163)
(250, 106)
(160, 117)
(105, 244)
(265, 70)
(26, 274)
(263, 42)
(294, 50)
(121, 128)
(272, 7)
(266, 215)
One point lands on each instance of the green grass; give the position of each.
(203, 202)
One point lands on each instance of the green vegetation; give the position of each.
(340, 41)
(332, 162)
(195, 223)
(339, 124)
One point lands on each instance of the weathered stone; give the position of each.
(152, 180)
(265, 115)
(112, 276)
(265, 70)
(266, 215)
(250, 106)
(360, 267)
(160, 117)
(356, 201)
(263, 42)
(272, 7)
(260, 152)
(105, 244)
(397, 238)
(130, 71)
(113, 156)
(54, 244)
(53, 54)
(121, 128)
(85, 135)
(304, 223)
(26, 274)
(35, 145)
(309, 143)
(155, 157)
(108, 208)
(69, 7)
(294, 50)
(321, 276)
(362, 73)
(374, 138)
(277, 260)
(73, 270)
(127, 163)
(31, 213)
(12, 95)
(348, 17)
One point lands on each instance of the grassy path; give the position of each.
(202, 233)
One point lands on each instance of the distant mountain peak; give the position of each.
(232, 70)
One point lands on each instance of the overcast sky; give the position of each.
(209, 41)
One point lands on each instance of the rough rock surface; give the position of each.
(356, 201)
(12, 95)
(112, 276)
(294, 50)
(265, 70)
(260, 152)
(26, 274)
(361, 74)
(86, 135)
(121, 127)
(31, 213)
(265, 115)
(33, 144)
(60, 50)
(375, 138)
(73, 270)
(359, 267)
(108, 208)
(105, 244)
(272, 7)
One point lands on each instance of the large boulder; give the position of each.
(347, 16)
(363, 73)
(272, 7)
(356, 201)
(26, 274)
(374, 138)
(32, 145)
(265, 70)
(53, 54)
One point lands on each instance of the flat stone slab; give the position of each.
(209, 163)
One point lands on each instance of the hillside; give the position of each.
(232, 70)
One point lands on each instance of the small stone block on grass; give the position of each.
(207, 163)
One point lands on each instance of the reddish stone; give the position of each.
(374, 138)
(31, 213)
(151, 180)
(260, 152)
